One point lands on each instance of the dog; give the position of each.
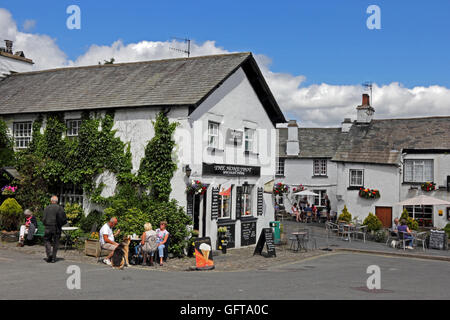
(394, 244)
(119, 260)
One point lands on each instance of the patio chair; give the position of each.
(294, 242)
(401, 239)
(360, 230)
(346, 232)
(392, 235)
(421, 237)
(309, 239)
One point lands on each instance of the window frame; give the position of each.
(230, 205)
(26, 139)
(322, 163)
(321, 197)
(72, 196)
(350, 178)
(249, 140)
(278, 163)
(78, 121)
(216, 135)
(413, 174)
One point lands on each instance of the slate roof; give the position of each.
(382, 141)
(171, 82)
(314, 142)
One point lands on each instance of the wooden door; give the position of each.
(385, 215)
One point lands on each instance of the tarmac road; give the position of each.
(332, 276)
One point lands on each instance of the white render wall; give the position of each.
(8, 64)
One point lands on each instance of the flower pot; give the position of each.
(10, 236)
(92, 247)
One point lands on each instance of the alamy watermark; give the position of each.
(374, 20)
(74, 20)
(74, 279)
(374, 281)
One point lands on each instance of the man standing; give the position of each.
(53, 220)
(327, 207)
(106, 236)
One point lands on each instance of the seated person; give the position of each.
(148, 243)
(308, 210)
(162, 235)
(314, 211)
(407, 234)
(29, 228)
(295, 212)
(395, 226)
(106, 237)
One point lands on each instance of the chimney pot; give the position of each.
(9, 45)
(365, 99)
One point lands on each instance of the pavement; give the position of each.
(335, 275)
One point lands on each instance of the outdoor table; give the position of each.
(347, 229)
(68, 233)
(299, 236)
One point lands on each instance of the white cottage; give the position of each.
(11, 62)
(394, 156)
(226, 137)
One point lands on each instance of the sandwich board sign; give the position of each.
(203, 254)
(266, 237)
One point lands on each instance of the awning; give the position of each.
(423, 200)
(305, 193)
(12, 172)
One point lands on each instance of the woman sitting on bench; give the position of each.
(29, 228)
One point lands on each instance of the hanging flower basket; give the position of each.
(428, 186)
(369, 193)
(196, 187)
(280, 188)
(9, 190)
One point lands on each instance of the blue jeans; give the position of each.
(410, 239)
(161, 250)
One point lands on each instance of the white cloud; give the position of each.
(29, 25)
(314, 105)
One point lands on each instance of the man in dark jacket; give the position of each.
(53, 220)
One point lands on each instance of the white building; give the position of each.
(13, 62)
(394, 156)
(226, 137)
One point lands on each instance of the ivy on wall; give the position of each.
(6, 146)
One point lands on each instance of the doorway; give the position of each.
(199, 213)
(385, 215)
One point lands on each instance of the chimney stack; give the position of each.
(364, 112)
(9, 45)
(292, 144)
(346, 125)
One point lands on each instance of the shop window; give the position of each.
(225, 199)
(319, 201)
(418, 171)
(246, 200)
(22, 132)
(422, 214)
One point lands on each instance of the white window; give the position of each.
(225, 206)
(71, 194)
(246, 202)
(418, 171)
(73, 127)
(356, 178)
(22, 132)
(249, 139)
(213, 135)
(319, 201)
(423, 214)
(320, 167)
(280, 167)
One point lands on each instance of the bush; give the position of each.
(129, 221)
(447, 230)
(86, 222)
(10, 214)
(74, 213)
(345, 215)
(372, 222)
(380, 236)
(410, 222)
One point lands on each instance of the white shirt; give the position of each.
(106, 229)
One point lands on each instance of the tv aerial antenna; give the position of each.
(188, 46)
(369, 85)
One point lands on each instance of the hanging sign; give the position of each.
(231, 170)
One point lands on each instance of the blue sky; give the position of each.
(327, 41)
(314, 54)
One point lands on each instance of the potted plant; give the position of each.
(223, 239)
(369, 193)
(428, 186)
(10, 216)
(92, 245)
(280, 188)
(196, 187)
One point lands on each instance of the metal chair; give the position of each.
(360, 230)
(346, 232)
(392, 235)
(421, 237)
(401, 238)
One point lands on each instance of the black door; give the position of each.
(204, 216)
(196, 211)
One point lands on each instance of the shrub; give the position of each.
(74, 213)
(94, 217)
(447, 230)
(10, 214)
(129, 221)
(410, 222)
(345, 215)
(372, 222)
(380, 236)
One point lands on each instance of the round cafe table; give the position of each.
(68, 243)
(299, 236)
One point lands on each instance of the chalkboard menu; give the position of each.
(267, 238)
(260, 202)
(230, 234)
(248, 233)
(214, 203)
(190, 205)
(438, 240)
